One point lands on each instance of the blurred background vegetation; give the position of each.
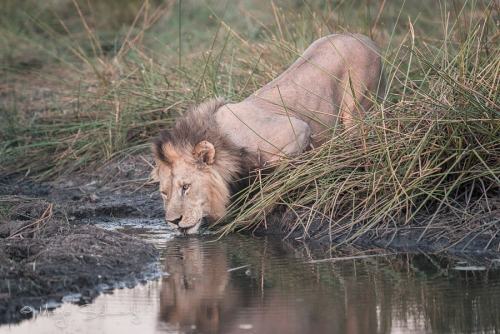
(82, 80)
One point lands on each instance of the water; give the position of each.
(249, 285)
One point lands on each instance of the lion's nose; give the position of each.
(175, 221)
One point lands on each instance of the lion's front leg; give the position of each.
(289, 136)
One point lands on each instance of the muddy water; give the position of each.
(248, 285)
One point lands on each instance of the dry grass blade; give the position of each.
(36, 225)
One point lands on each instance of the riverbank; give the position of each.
(58, 259)
(447, 231)
(50, 246)
(52, 243)
(122, 189)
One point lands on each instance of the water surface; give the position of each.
(242, 284)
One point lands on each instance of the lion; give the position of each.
(199, 161)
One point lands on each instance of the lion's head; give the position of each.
(196, 166)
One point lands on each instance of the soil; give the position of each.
(50, 246)
(61, 259)
(477, 235)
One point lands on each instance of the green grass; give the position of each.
(431, 147)
(81, 89)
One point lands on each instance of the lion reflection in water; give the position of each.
(199, 296)
(197, 291)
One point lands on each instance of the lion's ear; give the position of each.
(204, 152)
(155, 175)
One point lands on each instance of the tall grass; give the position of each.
(432, 146)
(100, 86)
(78, 90)
(100, 101)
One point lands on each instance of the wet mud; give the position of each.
(52, 243)
(62, 259)
(477, 235)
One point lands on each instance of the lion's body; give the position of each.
(333, 83)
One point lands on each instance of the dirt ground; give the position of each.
(445, 233)
(62, 259)
(50, 246)
(476, 234)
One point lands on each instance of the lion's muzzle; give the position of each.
(175, 221)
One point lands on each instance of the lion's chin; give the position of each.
(190, 230)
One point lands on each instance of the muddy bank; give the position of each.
(477, 235)
(50, 247)
(60, 259)
(121, 189)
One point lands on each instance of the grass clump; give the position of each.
(431, 147)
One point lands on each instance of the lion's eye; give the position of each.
(164, 193)
(185, 188)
